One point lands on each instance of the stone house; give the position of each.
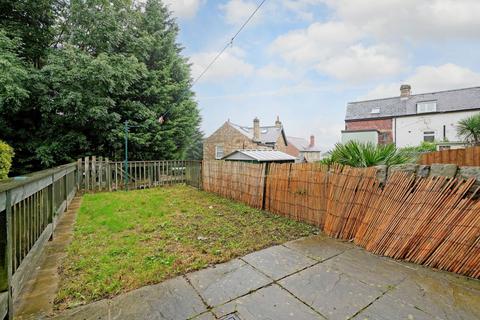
(410, 119)
(303, 150)
(231, 137)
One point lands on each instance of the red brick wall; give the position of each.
(384, 126)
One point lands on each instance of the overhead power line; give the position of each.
(230, 43)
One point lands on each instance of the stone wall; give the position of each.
(445, 170)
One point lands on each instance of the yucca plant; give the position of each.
(357, 154)
(469, 129)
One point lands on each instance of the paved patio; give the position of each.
(312, 278)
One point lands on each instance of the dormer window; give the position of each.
(428, 106)
(375, 111)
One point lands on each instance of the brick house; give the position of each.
(231, 137)
(409, 119)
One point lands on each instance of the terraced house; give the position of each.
(410, 119)
(231, 137)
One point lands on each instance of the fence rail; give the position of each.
(461, 157)
(29, 209)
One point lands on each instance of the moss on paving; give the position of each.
(126, 240)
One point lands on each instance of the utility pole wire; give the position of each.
(230, 43)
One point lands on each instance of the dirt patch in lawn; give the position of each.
(126, 240)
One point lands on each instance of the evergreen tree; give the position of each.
(109, 61)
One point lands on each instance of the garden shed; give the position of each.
(259, 156)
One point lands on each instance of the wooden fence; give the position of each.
(100, 174)
(432, 221)
(29, 209)
(461, 157)
(235, 180)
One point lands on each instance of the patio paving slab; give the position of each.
(278, 261)
(319, 247)
(271, 302)
(371, 269)
(387, 308)
(227, 281)
(172, 299)
(440, 294)
(334, 294)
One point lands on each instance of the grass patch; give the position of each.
(123, 241)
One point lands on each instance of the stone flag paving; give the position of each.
(311, 278)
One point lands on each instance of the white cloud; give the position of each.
(359, 63)
(302, 8)
(429, 79)
(411, 19)
(335, 48)
(237, 11)
(273, 71)
(366, 40)
(317, 42)
(183, 8)
(230, 64)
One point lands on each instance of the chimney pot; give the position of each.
(405, 90)
(312, 141)
(256, 129)
(278, 123)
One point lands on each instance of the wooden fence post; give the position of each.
(100, 173)
(51, 199)
(264, 193)
(87, 174)
(94, 173)
(9, 251)
(108, 169)
(79, 174)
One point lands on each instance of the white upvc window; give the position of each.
(429, 136)
(427, 106)
(218, 152)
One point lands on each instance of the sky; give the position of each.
(304, 60)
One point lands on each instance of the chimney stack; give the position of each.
(278, 124)
(312, 141)
(405, 90)
(256, 129)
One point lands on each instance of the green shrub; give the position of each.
(356, 154)
(469, 129)
(6, 155)
(415, 152)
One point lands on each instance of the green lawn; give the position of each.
(123, 241)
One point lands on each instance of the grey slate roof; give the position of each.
(447, 101)
(268, 134)
(302, 144)
(259, 156)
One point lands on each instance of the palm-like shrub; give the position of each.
(356, 154)
(469, 129)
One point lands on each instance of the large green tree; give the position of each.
(107, 61)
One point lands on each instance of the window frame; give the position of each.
(424, 104)
(217, 147)
(427, 135)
